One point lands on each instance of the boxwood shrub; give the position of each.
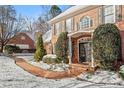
(50, 59)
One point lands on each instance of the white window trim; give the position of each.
(23, 46)
(114, 12)
(81, 28)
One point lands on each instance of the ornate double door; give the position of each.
(84, 52)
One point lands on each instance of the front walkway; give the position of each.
(71, 72)
(12, 76)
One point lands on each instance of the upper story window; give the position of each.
(22, 37)
(109, 14)
(85, 22)
(69, 24)
(57, 28)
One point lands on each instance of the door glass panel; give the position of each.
(84, 52)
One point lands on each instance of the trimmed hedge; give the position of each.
(107, 45)
(12, 49)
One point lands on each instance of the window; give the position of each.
(22, 37)
(109, 14)
(69, 24)
(23, 46)
(85, 22)
(58, 28)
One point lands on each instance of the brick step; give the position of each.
(80, 66)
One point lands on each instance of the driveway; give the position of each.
(12, 76)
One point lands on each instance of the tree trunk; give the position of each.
(1, 50)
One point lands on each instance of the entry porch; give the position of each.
(80, 48)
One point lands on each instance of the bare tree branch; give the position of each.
(10, 25)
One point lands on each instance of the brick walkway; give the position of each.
(72, 72)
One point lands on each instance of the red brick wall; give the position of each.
(75, 48)
(18, 40)
(120, 25)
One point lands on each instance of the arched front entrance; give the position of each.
(80, 47)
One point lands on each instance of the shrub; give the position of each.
(50, 59)
(121, 72)
(40, 51)
(12, 49)
(107, 45)
(61, 47)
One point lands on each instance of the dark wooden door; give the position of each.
(82, 53)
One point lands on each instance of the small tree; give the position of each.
(40, 51)
(61, 47)
(107, 45)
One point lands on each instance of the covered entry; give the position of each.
(80, 47)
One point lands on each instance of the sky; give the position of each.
(33, 11)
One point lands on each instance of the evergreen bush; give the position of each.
(12, 49)
(61, 47)
(50, 59)
(107, 45)
(40, 51)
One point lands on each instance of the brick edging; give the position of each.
(37, 71)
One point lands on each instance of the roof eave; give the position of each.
(55, 19)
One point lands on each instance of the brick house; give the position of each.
(80, 22)
(24, 41)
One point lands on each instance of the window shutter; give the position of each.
(118, 13)
(72, 24)
(91, 22)
(101, 15)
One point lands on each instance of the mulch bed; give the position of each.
(37, 71)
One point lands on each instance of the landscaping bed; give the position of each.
(46, 66)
